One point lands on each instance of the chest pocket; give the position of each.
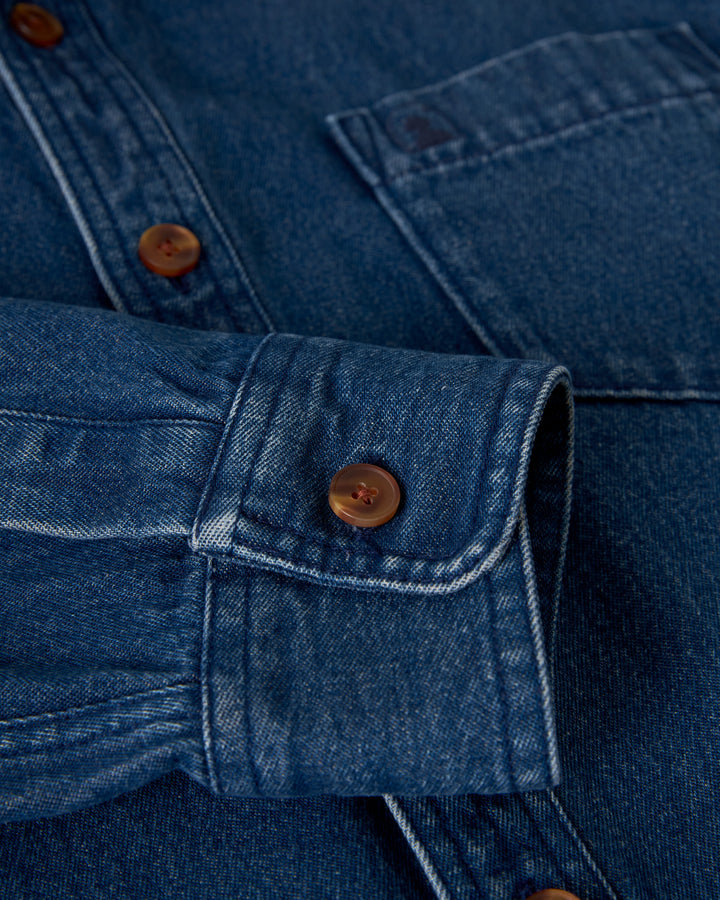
(567, 197)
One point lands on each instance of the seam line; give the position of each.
(419, 849)
(204, 200)
(263, 440)
(541, 43)
(433, 264)
(205, 693)
(195, 532)
(532, 610)
(144, 143)
(164, 729)
(249, 731)
(68, 133)
(63, 183)
(501, 693)
(485, 157)
(54, 419)
(580, 844)
(79, 710)
(626, 395)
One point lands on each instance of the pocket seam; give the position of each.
(469, 160)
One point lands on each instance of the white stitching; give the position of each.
(418, 848)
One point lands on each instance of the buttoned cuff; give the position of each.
(178, 593)
(410, 657)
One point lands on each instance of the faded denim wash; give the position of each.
(475, 244)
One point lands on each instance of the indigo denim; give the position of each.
(474, 244)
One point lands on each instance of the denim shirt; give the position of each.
(476, 247)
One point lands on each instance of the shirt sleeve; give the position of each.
(177, 592)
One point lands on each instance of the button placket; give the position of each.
(81, 98)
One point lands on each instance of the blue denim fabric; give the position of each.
(415, 220)
(278, 648)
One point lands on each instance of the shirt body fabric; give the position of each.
(473, 246)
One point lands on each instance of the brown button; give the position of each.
(553, 894)
(364, 495)
(169, 250)
(36, 25)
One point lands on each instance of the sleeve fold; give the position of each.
(179, 594)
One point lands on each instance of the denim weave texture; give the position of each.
(474, 244)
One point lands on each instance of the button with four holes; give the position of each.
(169, 250)
(36, 25)
(364, 495)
